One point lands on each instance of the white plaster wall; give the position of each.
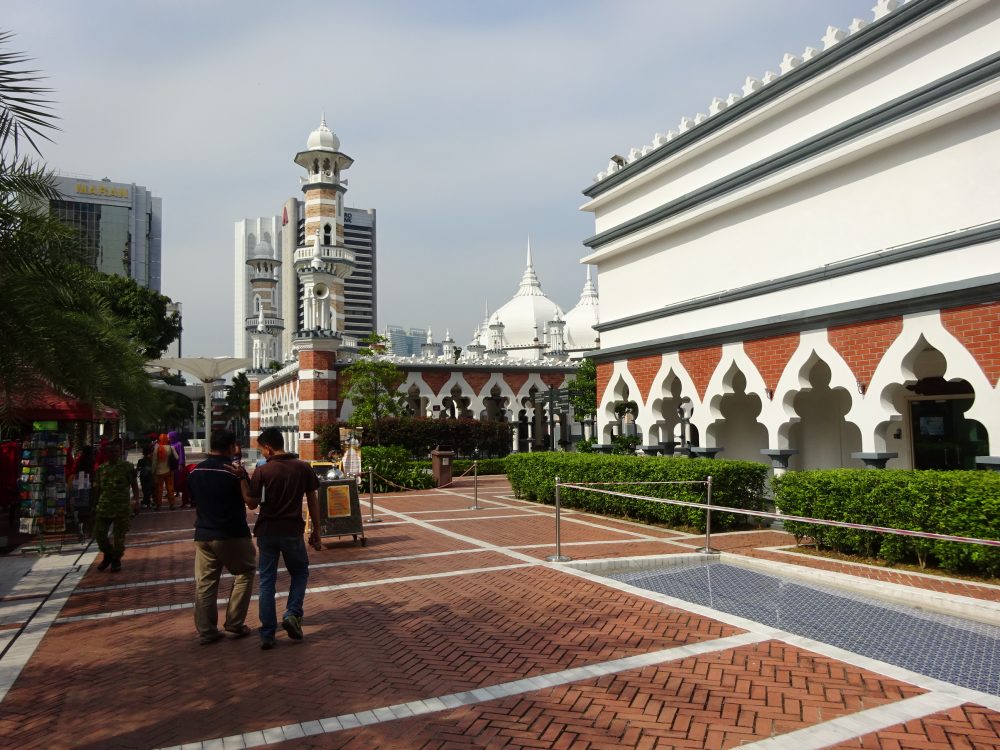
(932, 184)
(924, 52)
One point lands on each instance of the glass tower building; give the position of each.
(119, 224)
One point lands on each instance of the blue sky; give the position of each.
(472, 124)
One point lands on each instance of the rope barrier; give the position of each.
(799, 519)
(413, 489)
(679, 481)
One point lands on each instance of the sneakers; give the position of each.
(209, 638)
(241, 632)
(105, 562)
(293, 626)
(266, 644)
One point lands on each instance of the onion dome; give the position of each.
(262, 250)
(527, 312)
(323, 139)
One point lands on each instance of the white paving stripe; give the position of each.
(23, 648)
(312, 566)
(314, 590)
(480, 695)
(858, 724)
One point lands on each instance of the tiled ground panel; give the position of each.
(947, 648)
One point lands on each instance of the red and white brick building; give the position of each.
(520, 351)
(814, 263)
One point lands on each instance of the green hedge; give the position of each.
(392, 463)
(737, 484)
(962, 503)
(419, 435)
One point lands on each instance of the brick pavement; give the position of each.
(480, 643)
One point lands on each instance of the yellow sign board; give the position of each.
(338, 501)
(98, 189)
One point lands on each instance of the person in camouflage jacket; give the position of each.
(113, 511)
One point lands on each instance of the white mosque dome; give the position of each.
(323, 139)
(580, 321)
(262, 250)
(525, 316)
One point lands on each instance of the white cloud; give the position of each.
(472, 124)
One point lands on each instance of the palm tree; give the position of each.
(54, 330)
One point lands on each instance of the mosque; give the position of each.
(810, 269)
(516, 355)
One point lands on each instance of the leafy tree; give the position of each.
(238, 403)
(142, 312)
(54, 331)
(372, 382)
(583, 391)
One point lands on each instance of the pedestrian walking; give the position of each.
(165, 463)
(113, 480)
(222, 539)
(144, 468)
(180, 473)
(280, 528)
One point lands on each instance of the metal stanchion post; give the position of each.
(558, 556)
(707, 549)
(371, 497)
(475, 486)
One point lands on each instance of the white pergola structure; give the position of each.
(207, 370)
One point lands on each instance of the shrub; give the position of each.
(462, 465)
(419, 435)
(392, 463)
(960, 503)
(738, 484)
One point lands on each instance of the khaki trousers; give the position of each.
(239, 557)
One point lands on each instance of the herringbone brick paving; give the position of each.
(602, 550)
(364, 648)
(142, 681)
(718, 700)
(86, 602)
(967, 726)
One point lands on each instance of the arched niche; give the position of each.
(824, 439)
(738, 432)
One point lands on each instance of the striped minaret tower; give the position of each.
(321, 265)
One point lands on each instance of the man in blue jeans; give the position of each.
(277, 488)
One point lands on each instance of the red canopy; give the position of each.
(49, 405)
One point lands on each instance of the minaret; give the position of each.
(266, 325)
(497, 347)
(321, 264)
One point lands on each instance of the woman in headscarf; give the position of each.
(180, 475)
(165, 463)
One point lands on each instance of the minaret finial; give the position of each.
(529, 252)
(322, 120)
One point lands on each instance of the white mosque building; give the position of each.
(811, 267)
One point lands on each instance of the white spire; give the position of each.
(260, 320)
(589, 290)
(530, 287)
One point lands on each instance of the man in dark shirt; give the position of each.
(220, 492)
(278, 487)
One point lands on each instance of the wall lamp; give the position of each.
(769, 392)
(861, 388)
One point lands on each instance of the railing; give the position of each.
(707, 505)
(336, 253)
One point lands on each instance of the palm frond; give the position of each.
(25, 111)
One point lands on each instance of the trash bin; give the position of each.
(441, 458)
